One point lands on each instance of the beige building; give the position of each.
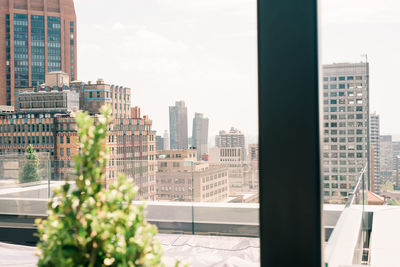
(231, 157)
(93, 96)
(56, 100)
(178, 170)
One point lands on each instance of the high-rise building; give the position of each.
(386, 158)
(375, 152)
(233, 138)
(396, 152)
(37, 37)
(345, 146)
(200, 134)
(166, 140)
(178, 126)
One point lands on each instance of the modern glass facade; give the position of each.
(37, 49)
(35, 43)
(54, 43)
(72, 41)
(8, 58)
(21, 54)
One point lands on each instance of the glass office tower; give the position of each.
(37, 37)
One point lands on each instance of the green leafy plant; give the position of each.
(387, 186)
(94, 225)
(30, 171)
(393, 202)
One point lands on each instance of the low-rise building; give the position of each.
(181, 177)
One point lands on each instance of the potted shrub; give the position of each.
(95, 225)
(30, 170)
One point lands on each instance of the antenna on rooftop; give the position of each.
(365, 56)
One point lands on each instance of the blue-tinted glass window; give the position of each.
(350, 78)
(341, 78)
(333, 78)
(333, 86)
(21, 60)
(54, 43)
(325, 86)
(333, 102)
(8, 57)
(342, 86)
(325, 79)
(37, 49)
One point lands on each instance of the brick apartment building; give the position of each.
(53, 129)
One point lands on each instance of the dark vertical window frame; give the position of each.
(290, 187)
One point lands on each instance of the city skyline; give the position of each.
(351, 28)
(200, 56)
(175, 38)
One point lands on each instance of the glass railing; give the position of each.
(348, 243)
(183, 196)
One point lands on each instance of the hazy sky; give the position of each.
(204, 52)
(354, 27)
(199, 51)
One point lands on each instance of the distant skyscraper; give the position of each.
(166, 140)
(233, 138)
(178, 126)
(39, 37)
(386, 158)
(345, 147)
(375, 152)
(200, 134)
(159, 143)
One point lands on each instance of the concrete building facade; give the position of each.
(396, 152)
(166, 140)
(56, 100)
(36, 37)
(345, 136)
(179, 172)
(232, 158)
(375, 169)
(233, 138)
(386, 158)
